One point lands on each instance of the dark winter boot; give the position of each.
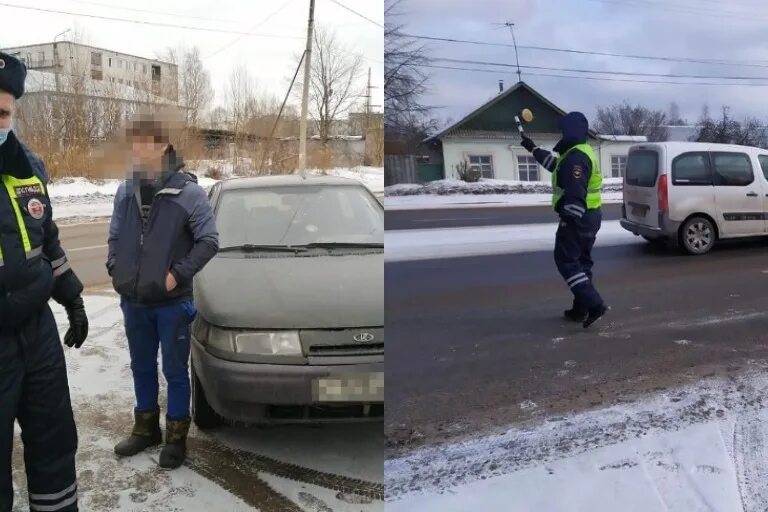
(146, 433)
(175, 450)
(577, 313)
(595, 314)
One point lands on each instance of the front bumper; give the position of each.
(270, 393)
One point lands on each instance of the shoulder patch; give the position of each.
(578, 172)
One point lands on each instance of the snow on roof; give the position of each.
(43, 81)
(623, 138)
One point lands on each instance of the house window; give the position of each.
(144, 68)
(527, 168)
(618, 165)
(95, 59)
(110, 62)
(484, 163)
(96, 74)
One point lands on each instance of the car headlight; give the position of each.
(284, 343)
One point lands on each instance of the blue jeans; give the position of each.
(166, 327)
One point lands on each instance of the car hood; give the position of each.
(322, 292)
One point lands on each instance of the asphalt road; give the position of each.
(476, 344)
(481, 216)
(86, 248)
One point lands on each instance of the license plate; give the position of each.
(350, 387)
(638, 212)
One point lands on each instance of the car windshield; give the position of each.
(299, 215)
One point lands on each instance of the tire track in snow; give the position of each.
(751, 460)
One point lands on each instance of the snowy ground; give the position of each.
(315, 469)
(420, 244)
(80, 199)
(699, 448)
(456, 193)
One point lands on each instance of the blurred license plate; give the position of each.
(638, 211)
(350, 387)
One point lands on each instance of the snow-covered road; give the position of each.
(702, 447)
(314, 469)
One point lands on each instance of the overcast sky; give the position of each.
(709, 29)
(272, 61)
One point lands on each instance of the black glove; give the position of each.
(527, 143)
(78, 323)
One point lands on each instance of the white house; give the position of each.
(489, 140)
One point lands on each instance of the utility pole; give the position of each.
(368, 106)
(305, 95)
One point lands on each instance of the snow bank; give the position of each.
(700, 447)
(484, 186)
(428, 202)
(440, 243)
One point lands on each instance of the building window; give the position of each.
(618, 166)
(144, 68)
(120, 81)
(95, 59)
(482, 162)
(527, 168)
(96, 74)
(110, 62)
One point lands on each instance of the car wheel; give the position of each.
(697, 236)
(202, 413)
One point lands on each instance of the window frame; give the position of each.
(480, 164)
(621, 165)
(530, 161)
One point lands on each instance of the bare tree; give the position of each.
(404, 80)
(674, 118)
(727, 130)
(625, 119)
(335, 81)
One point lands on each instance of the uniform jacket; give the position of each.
(575, 170)
(180, 237)
(29, 280)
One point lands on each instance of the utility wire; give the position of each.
(602, 79)
(680, 9)
(587, 52)
(600, 72)
(147, 11)
(157, 24)
(357, 13)
(257, 25)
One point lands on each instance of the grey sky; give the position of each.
(271, 61)
(709, 29)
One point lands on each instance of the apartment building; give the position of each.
(68, 58)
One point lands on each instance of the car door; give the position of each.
(739, 195)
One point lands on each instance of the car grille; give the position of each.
(343, 342)
(324, 412)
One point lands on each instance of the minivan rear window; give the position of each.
(691, 169)
(642, 168)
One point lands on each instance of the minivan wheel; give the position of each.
(202, 413)
(697, 236)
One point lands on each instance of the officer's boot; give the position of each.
(576, 314)
(595, 314)
(146, 433)
(175, 450)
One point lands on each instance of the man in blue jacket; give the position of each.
(576, 197)
(162, 233)
(33, 269)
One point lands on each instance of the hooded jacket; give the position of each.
(29, 280)
(179, 237)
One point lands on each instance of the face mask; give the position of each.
(4, 132)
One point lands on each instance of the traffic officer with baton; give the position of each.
(33, 269)
(576, 197)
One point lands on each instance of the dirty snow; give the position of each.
(701, 447)
(418, 244)
(233, 468)
(430, 202)
(80, 198)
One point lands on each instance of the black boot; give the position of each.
(175, 450)
(577, 313)
(146, 433)
(595, 314)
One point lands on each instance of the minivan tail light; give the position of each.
(663, 193)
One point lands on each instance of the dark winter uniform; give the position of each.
(576, 184)
(33, 378)
(159, 226)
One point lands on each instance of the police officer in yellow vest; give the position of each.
(33, 269)
(576, 185)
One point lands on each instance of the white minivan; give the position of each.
(695, 193)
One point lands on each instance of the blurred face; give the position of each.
(7, 103)
(147, 152)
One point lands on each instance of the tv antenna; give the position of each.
(511, 27)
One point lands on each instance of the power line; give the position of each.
(140, 22)
(147, 11)
(260, 23)
(601, 72)
(681, 9)
(601, 79)
(587, 52)
(357, 13)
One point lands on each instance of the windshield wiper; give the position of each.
(265, 248)
(345, 245)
